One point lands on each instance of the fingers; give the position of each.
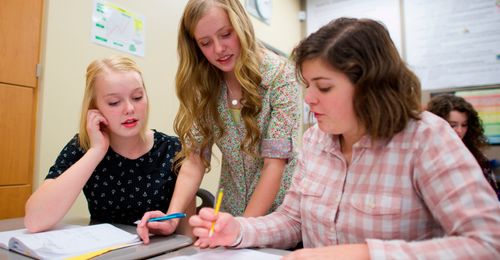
(226, 228)
(144, 228)
(197, 221)
(95, 119)
(201, 227)
(143, 233)
(206, 242)
(148, 215)
(222, 221)
(166, 227)
(97, 130)
(207, 214)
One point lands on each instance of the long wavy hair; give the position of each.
(387, 92)
(99, 68)
(474, 138)
(199, 83)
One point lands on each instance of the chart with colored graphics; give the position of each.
(116, 27)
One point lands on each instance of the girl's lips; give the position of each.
(130, 123)
(224, 59)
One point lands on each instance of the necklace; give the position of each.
(234, 101)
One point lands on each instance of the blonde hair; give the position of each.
(197, 80)
(101, 67)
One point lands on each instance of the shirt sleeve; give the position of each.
(198, 138)
(70, 154)
(283, 127)
(280, 229)
(450, 182)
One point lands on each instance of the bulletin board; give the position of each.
(447, 43)
(487, 103)
(453, 43)
(320, 12)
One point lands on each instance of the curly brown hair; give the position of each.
(474, 138)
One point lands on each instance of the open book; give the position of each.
(68, 242)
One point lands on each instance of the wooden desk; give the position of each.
(17, 223)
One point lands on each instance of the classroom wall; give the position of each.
(67, 50)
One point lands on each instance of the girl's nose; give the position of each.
(309, 97)
(219, 48)
(129, 108)
(460, 130)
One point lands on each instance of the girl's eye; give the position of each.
(204, 44)
(225, 35)
(113, 103)
(324, 89)
(137, 98)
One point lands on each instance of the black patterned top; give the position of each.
(121, 190)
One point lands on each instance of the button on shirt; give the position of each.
(420, 194)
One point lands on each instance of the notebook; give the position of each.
(78, 242)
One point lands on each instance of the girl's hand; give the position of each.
(166, 227)
(97, 130)
(226, 228)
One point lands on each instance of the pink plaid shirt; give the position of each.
(420, 195)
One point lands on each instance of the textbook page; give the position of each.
(233, 254)
(6, 235)
(66, 243)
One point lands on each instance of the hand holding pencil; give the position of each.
(214, 228)
(216, 212)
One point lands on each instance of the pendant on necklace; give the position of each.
(234, 102)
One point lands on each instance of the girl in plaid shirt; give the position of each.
(377, 177)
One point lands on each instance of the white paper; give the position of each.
(6, 235)
(233, 254)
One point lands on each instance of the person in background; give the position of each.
(376, 177)
(123, 168)
(463, 118)
(240, 96)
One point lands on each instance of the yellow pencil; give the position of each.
(216, 212)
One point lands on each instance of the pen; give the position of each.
(217, 207)
(166, 217)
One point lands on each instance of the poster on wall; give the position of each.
(118, 28)
(487, 104)
(453, 43)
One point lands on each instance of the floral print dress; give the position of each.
(279, 125)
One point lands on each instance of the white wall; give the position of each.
(67, 50)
